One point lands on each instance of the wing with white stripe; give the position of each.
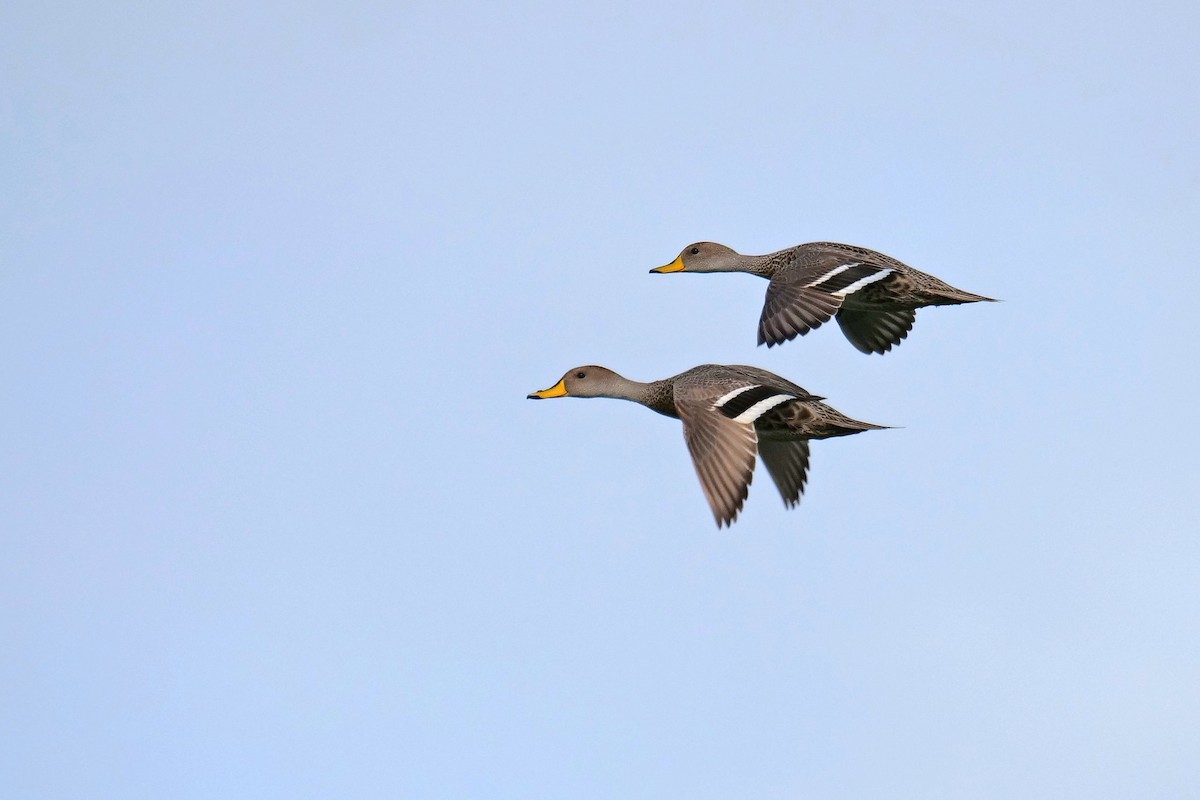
(848, 278)
(792, 309)
(748, 403)
(761, 376)
(809, 288)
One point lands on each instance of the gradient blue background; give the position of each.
(278, 522)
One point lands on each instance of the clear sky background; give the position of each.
(278, 521)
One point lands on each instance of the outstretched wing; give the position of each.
(787, 462)
(807, 291)
(875, 331)
(719, 407)
(722, 447)
(792, 310)
(723, 453)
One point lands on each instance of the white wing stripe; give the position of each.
(831, 273)
(854, 287)
(761, 407)
(729, 396)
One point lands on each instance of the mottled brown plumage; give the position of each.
(873, 296)
(729, 414)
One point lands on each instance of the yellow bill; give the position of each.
(557, 390)
(674, 266)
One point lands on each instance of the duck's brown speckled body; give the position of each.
(873, 296)
(729, 414)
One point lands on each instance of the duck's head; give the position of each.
(703, 257)
(589, 381)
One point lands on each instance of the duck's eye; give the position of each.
(581, 374)
(695, 251)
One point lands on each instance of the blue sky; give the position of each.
(277, 519)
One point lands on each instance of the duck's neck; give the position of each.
(732, 261)
(655, 395)
(761, 266)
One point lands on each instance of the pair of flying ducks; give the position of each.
(731, 414)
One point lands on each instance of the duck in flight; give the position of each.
(874, 297)
(730, 414)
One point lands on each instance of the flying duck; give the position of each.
(729, 414)
(874, 296)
